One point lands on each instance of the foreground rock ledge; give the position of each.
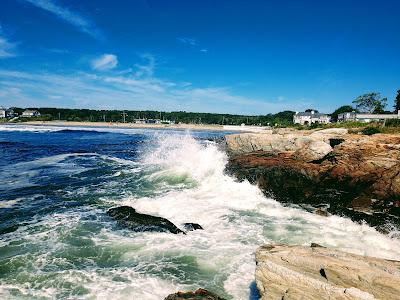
(298, 272)
(199, 294)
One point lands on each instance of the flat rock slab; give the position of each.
(298, 272)
(127, 217)
(199, 294)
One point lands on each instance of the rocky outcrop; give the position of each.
(353, 175)
(307, 148)
(192, 226)
(127, 217)
(298, 272)
(199, 294)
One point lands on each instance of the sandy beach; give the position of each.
(129, 125)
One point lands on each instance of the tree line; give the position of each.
(367, 103)
(284, 118)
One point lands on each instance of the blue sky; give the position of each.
(248, 57)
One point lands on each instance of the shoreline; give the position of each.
(124, 125)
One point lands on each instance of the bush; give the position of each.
(370, 130)
(393, 123)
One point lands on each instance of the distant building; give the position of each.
(6, 113)
(366, 118)
(310, 117)
(140, 121)
(153, 121)
(30, 113)
(3, 112)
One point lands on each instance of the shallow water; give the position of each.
(56, 241)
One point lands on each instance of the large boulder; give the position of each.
(302, 147)
(199, 294)
(298, 272)
(127, 217)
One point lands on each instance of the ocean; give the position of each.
(57, 242)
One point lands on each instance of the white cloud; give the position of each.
(146, 70)
(7, 49)
(138, 89)
(105, 62)
(65, 14)
(187, 41)
(192, 42)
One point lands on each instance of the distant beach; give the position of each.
(129, 125)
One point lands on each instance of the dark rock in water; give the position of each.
(127, 216)
(321, 212)
(192, 226)
(199, 294)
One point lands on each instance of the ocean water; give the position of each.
(56, 241)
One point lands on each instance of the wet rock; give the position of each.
(321, 212)
(192, 226)
(127, 217)
(199, 294)
(298, 272)
(360, 178)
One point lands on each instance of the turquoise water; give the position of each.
(57, 242)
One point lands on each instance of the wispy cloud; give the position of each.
(192, 42)
(147, 69)
(82, 23)
(56, 50)
(187, 41)
(105, 62)
(7, 48)
(138, 88)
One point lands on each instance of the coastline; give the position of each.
(327, 172)
(126, 125)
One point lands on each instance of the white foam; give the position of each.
(237, 217)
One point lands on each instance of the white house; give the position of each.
(365, 117)
(6, 113)
(30, 113)
(3, 112)
(310, 117)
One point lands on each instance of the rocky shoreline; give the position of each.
(327, 171)
(315, 272)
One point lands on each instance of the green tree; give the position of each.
(340, 110)
(370, 103)
(397, 102)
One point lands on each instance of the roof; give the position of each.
(309, 114)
